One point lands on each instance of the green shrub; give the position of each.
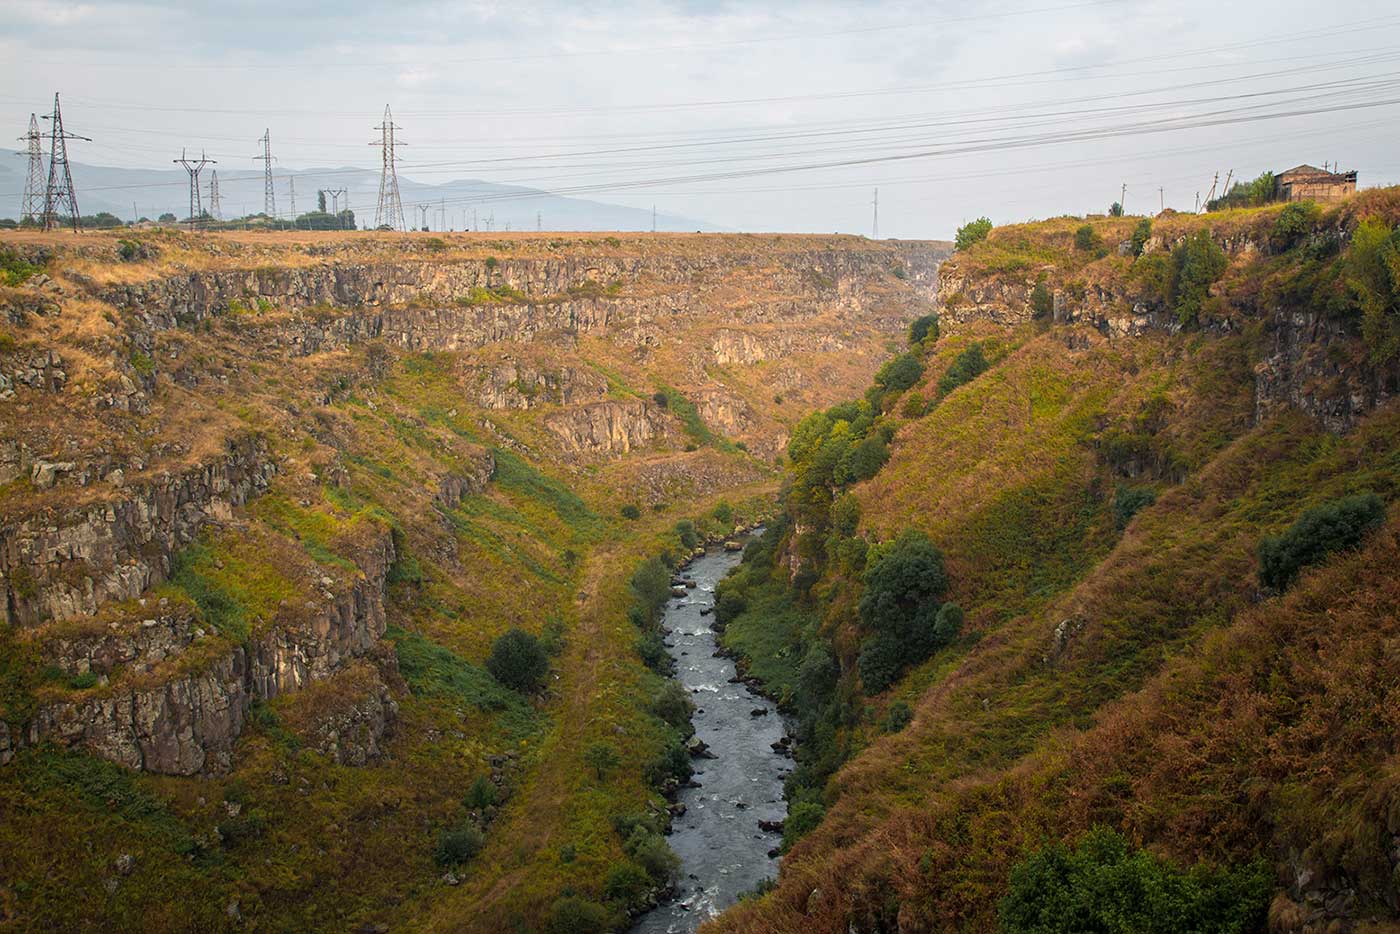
(899, 373)
(1319, 531)
(573, 914)
(1087, 240)
(673, 705)
(651, 585)
(1104, 885)
(602, 758)
(650, 851)
(881, 658)
(686, 534)
(968, 365)
(972, 232)
(1141, 234)
(1373, 278)
(518, 661)
(728, 606)
(481, 794)
(1293, 224)
(923, 328)
(653, 654)
(1128, 500)
(902, 585)
(915, 406)
(630, 511)
(456, 845)
(83, 681)
(672, 762)
(724, 512)
(627, 883)
(898, 717)
(802, 818)
(1196, 264)
(1042, 300)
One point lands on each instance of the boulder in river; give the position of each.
(699, 749)
(759, 712)
(770, 826)
(732, 545)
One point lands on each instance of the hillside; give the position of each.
(270, 505)
(1080, 467)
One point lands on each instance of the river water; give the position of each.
(723, 852)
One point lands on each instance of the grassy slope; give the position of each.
(1200, 724)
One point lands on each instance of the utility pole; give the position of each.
(389, 211)
(214, 209)
(1123, 199)
(423, 215)
(653, 218)
(1162, 198)
(135, 214)
(875, 226)
(194, 167)
(60, 185)
(33, 205)
(269, 197)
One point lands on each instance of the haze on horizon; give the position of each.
(752, 116)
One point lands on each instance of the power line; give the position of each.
(389, 211)
(59, 189)
(33, 204)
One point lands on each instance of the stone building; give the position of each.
(1309, 183)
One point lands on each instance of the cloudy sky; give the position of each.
(755, 115)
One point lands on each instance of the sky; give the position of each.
(761, 115)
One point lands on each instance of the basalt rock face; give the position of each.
(609, 428)
(1317, 365)
(64, 561)
(188, 723)
(512, 384)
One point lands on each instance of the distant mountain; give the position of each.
(152, 192)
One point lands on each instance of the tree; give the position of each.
(1141, 234)
(922, 329)
(880, 661)
(651, 584)
(1196, 265)
(630, 511)
(458, 844)
(1373, 277)
(1293, 224)
(1115, 209)
(968, 365)
(1335, 526)
(321, 201)
(602, 758)
(672, 704)
(573, 914)
(1087, 240)
(1042, 300)
(899, 373)
(167, 218)
(972, 232)
(518, 661)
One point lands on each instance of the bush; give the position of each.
(630, 511)
(685, 532)
(922, 329)
(575, 915)
(728, 606)
(899, 373)
(673, 705)
(518, 661)
(481, 795)
(1293, 224)
(627, 883)
(903, 586)
(880, 661)
(802, 818)
(458, 844)
(650, 851)
(1196, 264)
(972, 232)
(653, 654)
(672, 762)
(969, 364)
(1319, 531)
(1128, 500)
(1373, 278)
(947, 623)
(1105, 885)
(1087, 240)
(651, 584)
(915, 406)
(1042, 300)
(898, 717)
(724, 512)
(1141, 234)
(602, 758)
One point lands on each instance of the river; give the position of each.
(722, 849)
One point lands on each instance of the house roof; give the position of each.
(1305, 169)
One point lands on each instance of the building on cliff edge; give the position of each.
(1309, 183)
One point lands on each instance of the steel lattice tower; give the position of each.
(292, 196)
(390, 209)
(269, 198)
(194, 167)
(215, 211)
(59, 190)
(33, 206)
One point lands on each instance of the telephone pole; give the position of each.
(33, 205)
(653, 218)
(215, 211)
(389, 211)
(194, 167)
(875, 225)
(1162, 199)
(269, 197)
(1123, 200)
(59, 189)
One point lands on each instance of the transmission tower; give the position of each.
(292, 196)
(34, 183)
(334, 194)
(875, 222)
(194, 167)
(423, 210)
(59, 190)
(269, 197)
(389, 211)
(215, 211)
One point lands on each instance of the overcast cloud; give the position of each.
(713, 109)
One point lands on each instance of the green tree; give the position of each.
(630, 511)
(602, 758)
(1335, 526)
(881, 658)
(573, 914)
(1087, 240)
(1293, 224)
(966, 367)
(1115, 209)
(673, 705)
(518, 660)
(459, 844)
(651, 584)
(1196, 265)
(1373, 277)
(972, 232)
(923, 328)
(1042, 300)
(650, 851)
(1141, 234)
(899, 373)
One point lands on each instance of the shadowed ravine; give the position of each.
(723, 852)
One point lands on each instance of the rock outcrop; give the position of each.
(609, 428)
